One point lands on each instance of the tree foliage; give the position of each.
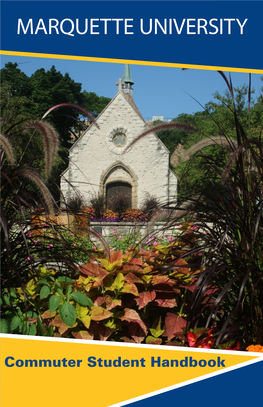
(216, 119)
(33, 96)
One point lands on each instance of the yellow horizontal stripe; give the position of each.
(128, 61)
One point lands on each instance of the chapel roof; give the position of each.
(131, 101)
(128, 97)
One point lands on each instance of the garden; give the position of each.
(199, 286)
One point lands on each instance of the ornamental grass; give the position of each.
(228, 215)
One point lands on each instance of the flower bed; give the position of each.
(130, 215)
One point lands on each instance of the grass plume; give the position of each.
(7, 147)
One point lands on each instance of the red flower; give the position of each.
(192, 338)
(230, 347)
(206, 343)
(237, 347)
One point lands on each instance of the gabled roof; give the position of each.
(92, 124)
(130, 100)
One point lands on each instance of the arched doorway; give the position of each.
(118, 193)
(119, 178)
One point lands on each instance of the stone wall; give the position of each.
(124, 228)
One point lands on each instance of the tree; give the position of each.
(94, 103)
(52, 88)
(36, 94)
(216, 119)
(17, 81)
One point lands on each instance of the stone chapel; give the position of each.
(98, 164)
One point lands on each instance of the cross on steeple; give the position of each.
(119, 84)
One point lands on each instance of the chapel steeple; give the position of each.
(125, 84)
(127, 80)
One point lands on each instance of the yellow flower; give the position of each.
(255, 348)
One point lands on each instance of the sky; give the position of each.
(158, 91)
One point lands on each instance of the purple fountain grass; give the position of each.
(51, 142)
(235, 155)
(8, 149)
(160, 127)
(230, 144)
(32, 175)
(229, 238)
(81, 109)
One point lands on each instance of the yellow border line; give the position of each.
(128, 61)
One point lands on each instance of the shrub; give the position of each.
(150, 205)
(75, 203)
(118, 242)
(98, 205)
(44, 290)
(76, 247)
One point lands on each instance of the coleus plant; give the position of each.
(137, 299)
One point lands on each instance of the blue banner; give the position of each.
(172, 33)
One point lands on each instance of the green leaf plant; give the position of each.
(47, 296)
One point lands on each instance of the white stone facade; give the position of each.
(95, 161)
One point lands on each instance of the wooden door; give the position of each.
(117, 190)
